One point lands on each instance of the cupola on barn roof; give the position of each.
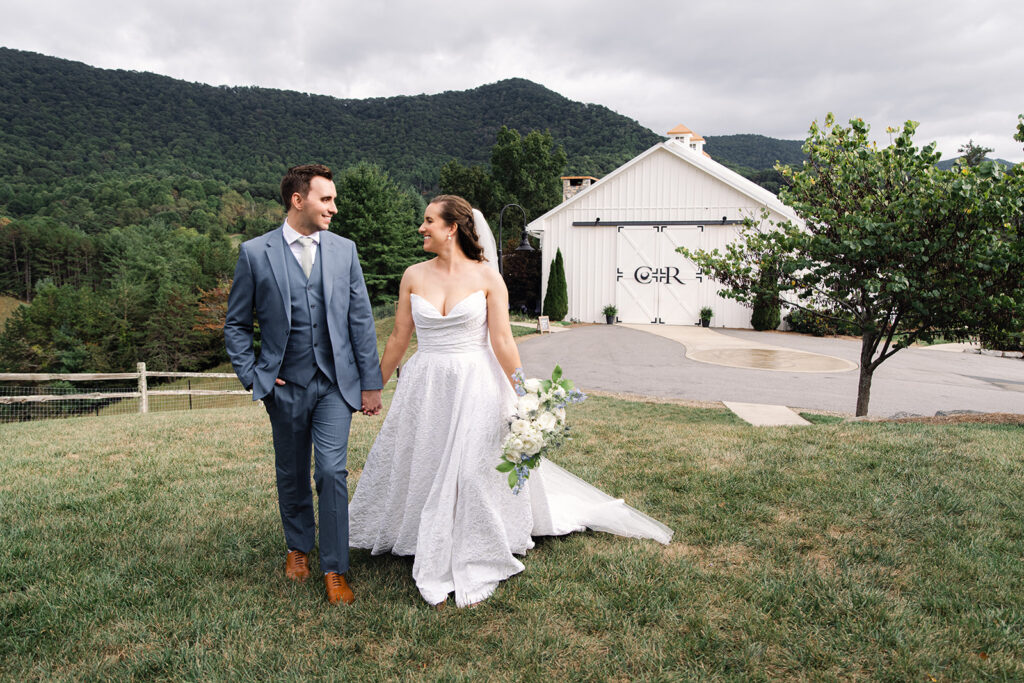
(688, 138)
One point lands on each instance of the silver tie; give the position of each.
(306, 260)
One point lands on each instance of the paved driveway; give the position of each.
(916, 380)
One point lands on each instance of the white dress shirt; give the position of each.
(292, 238)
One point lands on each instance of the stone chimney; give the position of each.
(574, 184)
(687, 137)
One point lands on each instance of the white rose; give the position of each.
(532, 444)
(547, 421)
(519, 426)
(532, 385)
(558, 392)
(560, 415)
(527, 404)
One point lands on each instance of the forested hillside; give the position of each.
(754, 151)
(755, 156)
(65, 118)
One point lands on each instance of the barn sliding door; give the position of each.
(654, 283)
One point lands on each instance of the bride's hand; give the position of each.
(371, 402)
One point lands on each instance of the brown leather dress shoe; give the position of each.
(337, 589)
(296, 566)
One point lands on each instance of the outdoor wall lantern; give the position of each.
(524, 245)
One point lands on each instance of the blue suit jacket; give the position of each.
(261, 287)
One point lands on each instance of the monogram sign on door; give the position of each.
(654, 283)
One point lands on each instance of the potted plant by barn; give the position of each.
(705, 316)
(609, 313)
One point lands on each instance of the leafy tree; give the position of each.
(1003, 328)
(472, 183)
(526, 170)
(381, 219)
(904, 250)
(556, 300)
(973, 154)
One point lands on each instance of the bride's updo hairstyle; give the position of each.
(456, 210)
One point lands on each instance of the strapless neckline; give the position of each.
(450, 310)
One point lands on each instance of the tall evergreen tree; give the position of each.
(556, 300)
(381, 218)
(766, 315)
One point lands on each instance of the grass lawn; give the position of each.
(821, 419)
(150, 547)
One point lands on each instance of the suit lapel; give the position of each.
(328, 267)
(275, 255)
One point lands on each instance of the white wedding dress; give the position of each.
(430, 488)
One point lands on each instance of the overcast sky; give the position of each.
(718, 66)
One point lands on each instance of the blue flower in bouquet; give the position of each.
(519, 380)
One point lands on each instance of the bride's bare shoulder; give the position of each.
(411, 279)
(416, 271)
(490, 277)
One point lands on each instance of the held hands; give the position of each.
(371, 402)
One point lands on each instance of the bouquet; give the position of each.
(538, 425)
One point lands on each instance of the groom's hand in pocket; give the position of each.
(371, 402)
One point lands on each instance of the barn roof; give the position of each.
(698, 159)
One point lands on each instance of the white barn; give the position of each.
(618, 235)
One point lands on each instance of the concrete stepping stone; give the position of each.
(765, 415)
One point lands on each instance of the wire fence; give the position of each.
(42, 397)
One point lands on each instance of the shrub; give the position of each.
(1001, 340)
(812, 322)
(556, 300)
(767, 315)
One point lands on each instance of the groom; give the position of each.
(317, 364)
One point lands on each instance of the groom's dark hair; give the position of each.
(297, 179)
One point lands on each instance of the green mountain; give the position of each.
(63, 118)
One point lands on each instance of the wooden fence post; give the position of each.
(144, 397)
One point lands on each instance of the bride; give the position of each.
(429, 487)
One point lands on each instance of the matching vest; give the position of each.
(309, 342)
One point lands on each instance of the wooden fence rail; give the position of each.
(141, 375)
